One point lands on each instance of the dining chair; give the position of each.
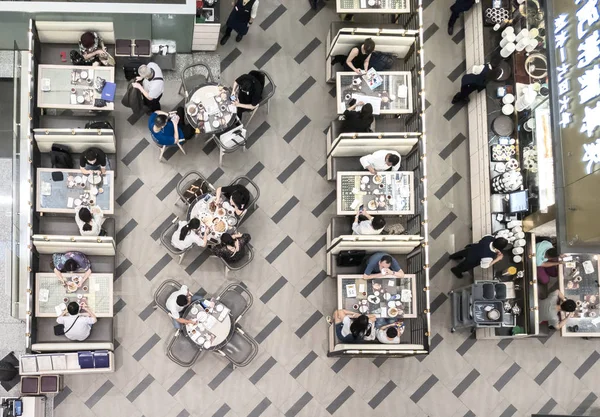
(194, 76)
(241, 348)
(193, 179)
(182, 350)
(162, 293)
(236, 266)
(230, 140)
(268, 92)
(163, 148)
(238, 299)
(165, 240)
(252, 189)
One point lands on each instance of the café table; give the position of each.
(389, 192)
(373, 6)
(210, 109)
(200, 209)
(369, 296)
(64, 86)
(50, 293)
(394, 93)
(213, 328)
(63, 196)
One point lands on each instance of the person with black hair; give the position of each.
(381, 265)
(248, 89)
(358, 58)
(484, 253)
(177, 302)
(232, 247)
(390, 333)
(358, 121)
(70, 262)
(168, 129)
(365, 224)
(92, 50)
(476, 80)
(77, 325)
(89, 220)
(459, 7)
(93, 160)
(556, 309)
(241, 17)
(237, 195)
(351, 327)
(381, 161)
(547, 261)
(187, 235)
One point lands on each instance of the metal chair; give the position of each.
(193, 178)
(238, 299)
(192, 76)
(162, 293)
(182, 350)
(165, 240)
(248, 256)
(163, 148)
(230, 147)
(241, 348)
(252, 189)
(268, 92)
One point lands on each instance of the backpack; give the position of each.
(98, 125)
(60, 156)
(351, 257)
(381, 61)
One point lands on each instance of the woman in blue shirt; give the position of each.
(170, 129)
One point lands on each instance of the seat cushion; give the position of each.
(102, 331)
(58, 225)
(336, 128)
(346, 163)
(341, 225)
(100, 264)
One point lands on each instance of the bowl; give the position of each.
(493, 314)
(192, 109)
(195, 310)
(393, 312)
(80, 99)
(377, 179)
(219, 307)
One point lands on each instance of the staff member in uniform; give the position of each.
(153, 85)
(475, 81)
(459, 6)
(358, 58)
(484, 253)
(381, 161)
(240, 19)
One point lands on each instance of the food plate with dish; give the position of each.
(372, 205)
(377, 179)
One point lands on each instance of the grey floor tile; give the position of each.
(271, 257)
(585, 404)
(183, 380)
(437, 302)
(430, 31)
(166, 223)
(123, 266)
(266, 57)
(262, 371)
(443, 225)
(274, 289)
(340, 364)
(459, 36)
(309, 324)
(291, 169)
(587, 364)
(458, 71)
(448, 185)
(128, 228)
(382, 394)
(159, 266)
(260, 408)
(61, 396)
(314, 284)
(268, 329)
(256, 169)
(101, 392)
(169, 187)
(118, 306)
(141, 387)
(439, 265)
(304, 363)
(222, 411)
(466, 383)
(507, 376)
(323, 205)
(295, 131)
(466, 345)
(340, 400)
(272, 18)
(451, 147)
(300, 91)
(229, 59)
(221, 376)
(547, 371)
(147, 312)
(309, 49)
(149, 344)
(129, 192)
(548, 407)
(299, 405)
(424, 389)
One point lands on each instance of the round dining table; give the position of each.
(213, 327)
(201, 210)
(210, 109)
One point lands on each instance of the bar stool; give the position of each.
(43, 384)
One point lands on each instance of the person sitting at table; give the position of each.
(381, 161)
(186, 235)
(365, 224)
(232, 247)
(358, 58)
(351, 327)
(547, 261)
(89, 221)
(248, 90)
(92, 51)
(153, 85)
(177, 302)
(70, 262)
(358, 121)
(390, 333)
(93, 159)
(238, 197)
(552, 307)
(381, 265)
(77, 325)
(169, 129)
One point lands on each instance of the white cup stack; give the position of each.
(508, 42)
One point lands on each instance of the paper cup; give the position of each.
(508, 99)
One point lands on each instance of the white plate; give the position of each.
(219, 307)
(387, 296)
(195, 310)
(80, 99)
(94, 190)
(363, 309)
(202, 316)
(206, 344)
(391, 304)
(84, 74)
(77, 202)
(216, 123)
(365, 179)
(78, 179)
(376, 293)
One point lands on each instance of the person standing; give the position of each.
(484, 253)
(476, 80)
(240, 19)
(459, 6)
(153, 85)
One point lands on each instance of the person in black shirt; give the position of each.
(459, 6)
(238, 197)
(358, 121)
(232, 247)
(248, 88)
(484, 253)
(475, 82)
(93, 159)
(358, 58)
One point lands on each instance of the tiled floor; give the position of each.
(292, 376)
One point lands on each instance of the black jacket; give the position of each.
(133, 99)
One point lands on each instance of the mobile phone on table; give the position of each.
(233, 97)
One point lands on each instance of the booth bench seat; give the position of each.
(60, 225)
(100, 264)
(50, 52)
(101, 337)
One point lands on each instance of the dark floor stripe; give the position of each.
(426, 3)
(254, 136)
(283, 211)
(300, 91)
(130, 191)
(324, 205)
(214, 177)
(141, 387)
(183, 413)
(508, 375)
(466, 383)
(228, 60)
(547, 371)
(99, 394)
(118, 306)
(430, 31)
(266, 57)
(458, 71)
(272, 18)
(439, 265)
(268, 329)
(299, 405)
(382, 394)
(287, 241)
(220, 377)
(466, 345)
(135, 151)
(424, 389)
(340, 363)
(61, 396)
(309, 49)
(427, 104)
(135, 117)
(291, 168)
(435, 341)
(274, 289)
(262, 371)
(260, 408)
(453, 111)
(428, 67)
(469, 414)
(170, 152)
(147, 312)
(323, 171)
(166, 223)
(587, 365)
(317, 246)
(459, 36)
(437, 303)
(159, 266)
(308, 16)
(124, 266)
(378, 362)
(196, 263)
(443, 225)
(221, 412)
(314, 284)
(333, 92)
(503, 344)
(146, 347)
(128, 228)
(169, 187)
(209, 147)
(295, 131)
(448, 185)
(451, 147)
(548, 407)
(585, 404)
(181, 382)
(309, 324)
(509, 412)
(255, 170)
(340, 400)
(304, 363)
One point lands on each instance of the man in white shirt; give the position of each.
(177, 302)
(390, 333)
(365, 224)
(381, 161)
(77, 326)
(153, 85)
